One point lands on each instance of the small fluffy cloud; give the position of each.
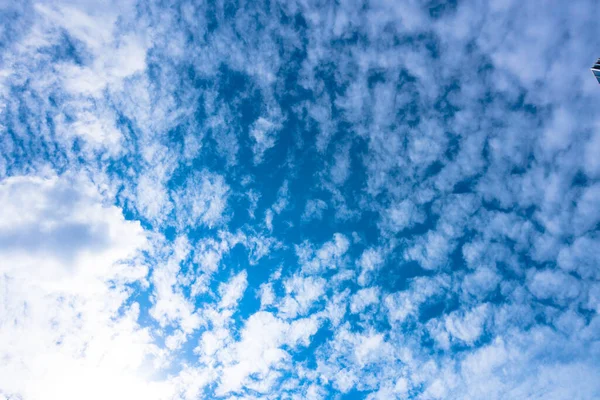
(329, 256)
(301, 294)
(363, 299)
(203, 200)
(264, 134)
(314, 209)
(552, 284)
(259, 352)
(370, 261)
(232, 291)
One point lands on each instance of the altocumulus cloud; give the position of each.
(299, 200)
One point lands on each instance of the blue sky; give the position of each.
(299, 200)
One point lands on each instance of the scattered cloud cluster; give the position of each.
(299, 200)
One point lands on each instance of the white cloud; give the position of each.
(232, 291)
(115, 58)
(269, 220)
(363, 299)
(64, 221)
(463, 326)
(581, 256)
(203, 200)
(481, 282)
(65, 323)
(404, 304)
(152, 198)
(258, 352)
(497, 153)
(340, 170)
(171, 306)
(314, 209)
(222, 127)
(507, 367)
(401, 216)
(301, 294)
(278, 206)
(352, 358)
(430, 251)
(267, 295)
(282, 198)
(264, 134)
(553, 284)
(370, 261)
(329, 256)
(210, 251)
(104, 56)
(587, 213)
